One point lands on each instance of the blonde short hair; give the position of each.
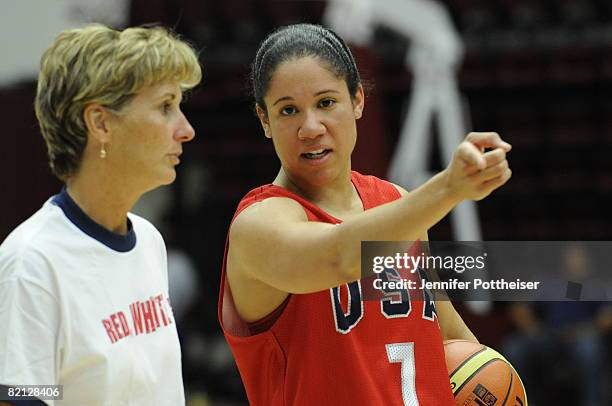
(102, 65)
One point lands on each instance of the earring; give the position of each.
(102, 152)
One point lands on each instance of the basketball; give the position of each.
(480, 376)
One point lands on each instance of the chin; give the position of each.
(168, 177)
(170, 180)
(321, 178)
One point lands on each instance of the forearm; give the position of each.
(451, 324)
(460, 331)
(405, 219)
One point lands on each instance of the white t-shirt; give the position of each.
(88, 309)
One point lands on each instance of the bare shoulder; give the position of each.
(257, 242)
(265, 215)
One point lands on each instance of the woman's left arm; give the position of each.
(452, 325)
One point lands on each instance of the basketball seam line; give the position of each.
(509, 387)
(466, 361)
(474, 373)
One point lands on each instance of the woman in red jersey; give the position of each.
(294, 245)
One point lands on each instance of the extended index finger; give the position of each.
(487, 140)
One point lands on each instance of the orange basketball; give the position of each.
(481, 376)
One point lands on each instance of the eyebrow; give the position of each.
(171, 94)
(316, 94)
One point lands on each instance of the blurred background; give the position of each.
(537, 72)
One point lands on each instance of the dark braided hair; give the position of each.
(298, 41)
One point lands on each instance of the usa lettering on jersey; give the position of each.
(394, 303)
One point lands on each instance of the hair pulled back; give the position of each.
(298, 41)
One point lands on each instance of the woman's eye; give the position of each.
(166, 107)
(288, 111)
(326, 103)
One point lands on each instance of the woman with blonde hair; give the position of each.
(83, 283)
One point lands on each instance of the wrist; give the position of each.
(448, 195)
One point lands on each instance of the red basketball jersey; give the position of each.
(333, 347)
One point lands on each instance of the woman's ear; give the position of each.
(358, 102)
(263, 119)
(96, 119)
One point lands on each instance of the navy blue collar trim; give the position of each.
(117, 242)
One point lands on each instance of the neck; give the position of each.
(335, 197)
(105, 198)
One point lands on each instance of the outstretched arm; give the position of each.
(273, 242)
